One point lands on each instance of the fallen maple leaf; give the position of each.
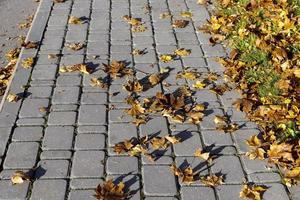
(83, 68)
(75, 46)
(180, 23)
(74, 20)
(110, 191)
(253, 192)
(186, 175)
(18, 177)
(182, 52)
(212, 180)
(28, 62)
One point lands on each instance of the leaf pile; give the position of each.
(264, 63)
(177, 106)
(110, 190)
(146, 146)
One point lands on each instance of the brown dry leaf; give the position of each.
(182, 52)
(221, 119)
(43, 109)
(125, 146)
(117, 69)
(199, 85)
(202, 2)
(244, 105)
(166, 58)
(186, 14)
(132, 21)
(75, 46)
(18, 177)
(137, 52)
(165, 15)
(140, 120)
(110, 191)
(203, 155)
(159, 143)
(5, 75)
(292, 177)
(213, 180)
(220, 89)
(186, 175)
(98, 82)
(13, 54)
(28, 62)
(52, 56)
(188, 74)
(154, 79)
(280, 153)
(133, 86)
(30, 45)
(256, 153)
(139, 28)
(74, 20)
(138, 150)
(172, 139)
(253, 192)
(254, 141)
(136, 108)
(12, 98)
(83, 68)
(180, 23)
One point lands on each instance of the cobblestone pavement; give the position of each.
(71, 143)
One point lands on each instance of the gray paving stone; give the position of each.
(21, 155)
(30, 108)
(216, 137)
(52, 169)
(55, 155)
(160, 198)
(194, 193)
(190, 142)
(66, 107)
(157, 125)
(7, 191)
(40, 92)
(275, 192)
(92, 129)
(94, 98)
(118, 115)
(252, 166)
(21, 134)
(49, 189)
(92, 115)
(68, 80)
(4, 135)
(58, 138)
(90, 141)
(234, 174)
(158, 181)
(122, 165)
(229, 192)
(65, 95)
(31, 122)
(81, 194)
(120, 132)
(84, 183)
(87, 164)
(265, 177)
(62, 118)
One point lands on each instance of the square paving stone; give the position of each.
(87, 164)
(233, 173)
(120, 132)
(21, 155)
(84, 183)
(158, 180)
(122, 165)
(40, 92)
(58, 138)
(52, 169)
(92, 115)
(62, 118)
(49, 190)
(216, 137)
(190, 141)
(94, 98)
(65, 95)
(81, 194)
(30, 108)
(196, 193)
(90, 141)
(33, 133)
(4, 135)
(68, 80)
(7, 191)
(56, 155)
